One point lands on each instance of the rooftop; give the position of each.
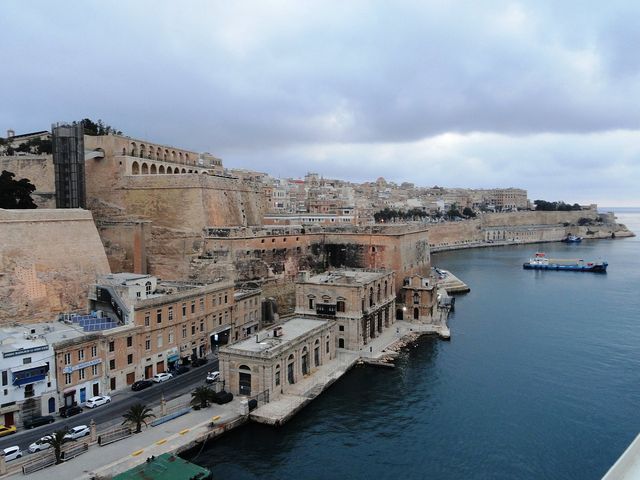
(291, 330)
(165, 467)
(20, 337)
(346, 277)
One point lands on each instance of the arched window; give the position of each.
(147, 287)
(340, 306)
(416, 313)
(184, 170)
(379, 293)
(135, 168)
(134, 149)
(153, 169)
(145, 169)
(386, 292)
(124, 151)
(416, 298)
(371, 296)
(173, 155)
(142, 151)
(161, 169)
(244, 380)
(290, 372)
(277, 375)
(169, 170)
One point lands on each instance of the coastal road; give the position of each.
(111, 414)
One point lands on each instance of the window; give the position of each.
(193, 307)
(170, 341)
(193, 329)
(26, 360)
(129, 341)
(416, 298)
(340, 306)
(277, 375)
(94, 350)
(202, 325)
(81, 374)
(94, 370)
(147, 317)
(202, 304)
(220, 319)
(148, 288)
(159, 316)
(341, 328)
(327, 346)
(311, 303)
(340, 343)
(147, 344)
(112, 364)
(67, 379)
(67, 358)
(184, 310)
(130, 359)
(220, 300)
(81, 354)
(112, 346)
(159, 340)
(184, 331)
(225, 298)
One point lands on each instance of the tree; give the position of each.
(137, 415)
(453, 211)
(469, 213)
(201, 396)
(56, 440)
(15, 193)
(98, 128)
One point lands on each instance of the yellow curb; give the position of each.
(216, 418)
(160, 442)
(182, 432)
(137, 452)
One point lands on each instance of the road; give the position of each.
(111, 414)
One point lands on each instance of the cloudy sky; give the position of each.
(543, 95)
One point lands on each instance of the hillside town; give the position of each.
(145, 265)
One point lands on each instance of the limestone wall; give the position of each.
(39, 170)
(48, 258)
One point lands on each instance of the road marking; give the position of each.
(160, 442)
(137, 452)
(182, 432)
(216, 418)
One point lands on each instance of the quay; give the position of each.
(627, 467)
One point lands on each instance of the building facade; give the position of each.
(273, 361)
(418, 297)
(361, 302)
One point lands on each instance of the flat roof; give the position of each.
(18, 337)
(291, 330)
(165, 467)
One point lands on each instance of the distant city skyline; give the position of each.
(536, 95)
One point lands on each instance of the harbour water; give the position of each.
(541, 380)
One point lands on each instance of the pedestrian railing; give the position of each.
(113, 435)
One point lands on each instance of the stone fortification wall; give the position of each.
(48, 258)
(535, 218)
(455, 233)
(39, 170)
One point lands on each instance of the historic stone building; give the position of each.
(247, 314)
(275, 359)
(361, 302)
(417, 298)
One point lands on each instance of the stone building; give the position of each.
(418, 297)
(247, 314)
(361, 302)
(274, 360)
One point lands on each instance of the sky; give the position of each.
(541, 95)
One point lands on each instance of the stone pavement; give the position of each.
(175, 435)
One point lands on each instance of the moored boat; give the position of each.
(542, 262)
(572, 239)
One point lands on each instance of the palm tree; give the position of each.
(137, 415)
(56, 440)
(201, 396)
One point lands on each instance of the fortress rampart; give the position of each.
(48, 257)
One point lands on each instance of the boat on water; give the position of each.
(542, 262)
(572, 239)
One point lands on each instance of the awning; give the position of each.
(29, 366)
(30, 373)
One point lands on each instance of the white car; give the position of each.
(11, 453)
(41, 444)
(94, 402)
(77, 432)
(161, 377)
(213, 377)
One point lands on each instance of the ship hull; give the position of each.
(600, 268)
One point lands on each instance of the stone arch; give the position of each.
(166, 154)
(124, 151)
(145, 168)
(135, 168)
(153, 169)
(134, 149)
(186, 157)
(161, 169)
(169, 170)
(142, 151)
(184, 171)
(244, 380)
(158, 153)
(173, 155)
(180, 156)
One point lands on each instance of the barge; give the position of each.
(542, 262)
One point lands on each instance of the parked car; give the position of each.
(161, 377)
(180, 369)
(141, 385)
(38, 421)
(213, 377)
(7, 430)
(40, 444)
(98, 400)
(70, 411)
(11, 453)
(78, 432)
(199, 361)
